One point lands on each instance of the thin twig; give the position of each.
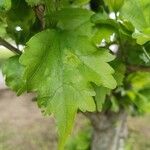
(9, 46)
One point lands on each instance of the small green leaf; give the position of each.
(114, 104)
(103, 32)
(115, 4)
(103, 19)
(142, 37)
(100, 96)
(13, 72)
(5, 5)
(119, 71)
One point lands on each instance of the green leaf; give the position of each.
(103, 19)
(71, 18)
(136, 55)
(139, 92)
(139, 80)
(146, 105)
(137, 12)
(5, 5)
(119, 71)
(103, 32)
(13, 72)
(100, 96)
(142, 37)
(81, 140)
(115, 4)
(2, 29)
(104, 28)
(63, 64)
(114, 104)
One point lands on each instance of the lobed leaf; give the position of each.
(63, 65)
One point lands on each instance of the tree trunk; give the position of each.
(110, 130)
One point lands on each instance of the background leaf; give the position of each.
(13, 71)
